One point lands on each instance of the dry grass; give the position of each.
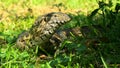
(23, 9)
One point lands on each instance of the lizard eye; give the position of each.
(55, 15)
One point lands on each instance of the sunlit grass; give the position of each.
(19, 15)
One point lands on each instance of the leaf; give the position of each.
(117, 7)
(105, 65)
(93, 13)
(53, 63)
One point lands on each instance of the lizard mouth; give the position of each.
(60, 18)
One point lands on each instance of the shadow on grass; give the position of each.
(100, 38)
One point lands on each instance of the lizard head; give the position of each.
(57, 17)
(54, 18)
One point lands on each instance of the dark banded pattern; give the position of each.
(94, 32)
(61, 35)
(43, 29)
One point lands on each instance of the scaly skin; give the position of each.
(42, 30)
(94, 32)
(61, 35)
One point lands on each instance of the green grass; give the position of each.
(13, 22)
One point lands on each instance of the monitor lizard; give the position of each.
(41, 31)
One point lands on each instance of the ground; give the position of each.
(17, 16)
